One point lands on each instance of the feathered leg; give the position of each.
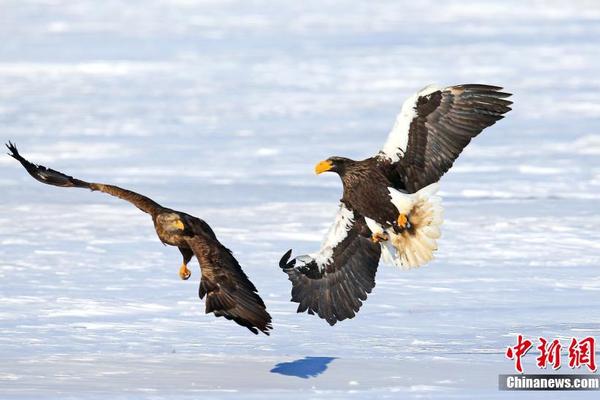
(184, 272)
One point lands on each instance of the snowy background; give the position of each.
(221, 109)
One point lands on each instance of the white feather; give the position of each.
(389, 255)
(373, 226)
(335, 235)
(402, 201)
(428, 191)
(397, 140)
(406, 250)
(388, 252)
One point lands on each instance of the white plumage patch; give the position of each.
(413, 247)
(336, 234)
(397, 140)
(388, 251)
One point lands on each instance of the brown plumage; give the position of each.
(390, 198)
(228, 291)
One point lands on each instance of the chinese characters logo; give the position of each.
(580, 353)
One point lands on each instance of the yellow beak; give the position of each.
(323, 166)
(179, 225)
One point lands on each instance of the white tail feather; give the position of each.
(413, 247)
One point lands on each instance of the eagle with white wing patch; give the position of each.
(389, 208)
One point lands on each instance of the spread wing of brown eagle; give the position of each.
(226, 288)
(389, 205)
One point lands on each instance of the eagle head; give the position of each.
(333, 164)
(171, 222)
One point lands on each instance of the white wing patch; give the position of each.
(344, 219)
(397, 140)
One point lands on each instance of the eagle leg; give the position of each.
(379, 237)
(184, 272)
(403, 221)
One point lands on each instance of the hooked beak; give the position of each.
(179, 225)
(323, 166)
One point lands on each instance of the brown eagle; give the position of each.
(229, 293)
(389, 208)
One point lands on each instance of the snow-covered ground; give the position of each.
(221, 109)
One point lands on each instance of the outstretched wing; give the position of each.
(334, 281)
(53, 177)
(229, 293)
(434, 126)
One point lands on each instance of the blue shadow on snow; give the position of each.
(307, 367)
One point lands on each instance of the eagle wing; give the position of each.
(228, 291)
(52, 177)
(334, 281)
(434, 126)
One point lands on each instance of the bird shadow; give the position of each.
(307, 367)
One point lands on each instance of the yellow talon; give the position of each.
(379, 237)
(402, 220)
(184, 272)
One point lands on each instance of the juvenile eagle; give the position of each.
(389, 208)
(229, 293)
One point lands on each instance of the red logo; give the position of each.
(581, 353)
(549, 353)
(519, 351)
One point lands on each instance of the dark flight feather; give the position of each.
(445, 122)
(56, 178)
(228, 291)
(335, 291)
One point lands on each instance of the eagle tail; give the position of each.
(414, 246)
(44, 174)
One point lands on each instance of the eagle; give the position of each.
(389, 208)
(228, 291)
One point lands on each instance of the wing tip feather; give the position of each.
(338, 292)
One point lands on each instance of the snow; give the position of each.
(221, 109)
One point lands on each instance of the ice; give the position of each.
(221, 109)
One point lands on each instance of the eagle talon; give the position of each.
(403, 221)
(379, 237)
(184, 273)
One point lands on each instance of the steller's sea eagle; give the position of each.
(229, 293)
(389, 206)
